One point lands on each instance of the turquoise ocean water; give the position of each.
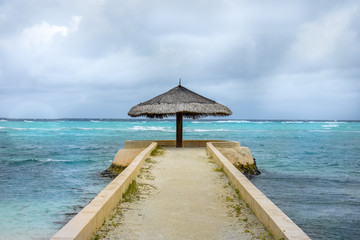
(49, 170)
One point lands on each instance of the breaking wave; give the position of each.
(200, 122)
(330, 126)
(61, 129)
(205, 130)
(223, 121)
(233, 121)
(151, 128)
(292, 122)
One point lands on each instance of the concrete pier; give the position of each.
(183, 195)
(194, 189)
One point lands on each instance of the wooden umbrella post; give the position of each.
(179, 129)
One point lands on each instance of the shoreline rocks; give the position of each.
(241, 158)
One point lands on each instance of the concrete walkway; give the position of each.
(182, 195)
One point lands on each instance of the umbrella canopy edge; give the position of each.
(189, 110)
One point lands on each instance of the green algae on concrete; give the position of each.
(113, 171)
(158, 151)
(238, 209)
(137, 190)
(249, 169)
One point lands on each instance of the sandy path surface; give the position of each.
(182, 195)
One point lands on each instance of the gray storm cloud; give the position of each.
(273, 59)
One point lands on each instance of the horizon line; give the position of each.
(170, 118)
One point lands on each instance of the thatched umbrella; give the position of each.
(181, 102)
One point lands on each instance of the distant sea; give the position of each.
(50, 169)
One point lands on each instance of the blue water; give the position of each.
(49, 170)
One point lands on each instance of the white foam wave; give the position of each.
(28, 121)
(3, 120)
(62, 129)
(291, 122)
(55, 160)
(94, 121)
(90, 129)
(326, 122)
(83, 128)
(3, 127)
(330, 126)
(151, 128)
(137, 122)
(233, 121)
(38, 129)
(205, 130)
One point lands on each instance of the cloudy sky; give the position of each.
(97, 58)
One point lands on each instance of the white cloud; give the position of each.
(39, 49)
(319, 41)
(43, 33)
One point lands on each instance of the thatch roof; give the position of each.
(179, 99)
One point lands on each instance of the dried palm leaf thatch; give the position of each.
(179, 100)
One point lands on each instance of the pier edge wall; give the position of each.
(275, 220)
(84, 224)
